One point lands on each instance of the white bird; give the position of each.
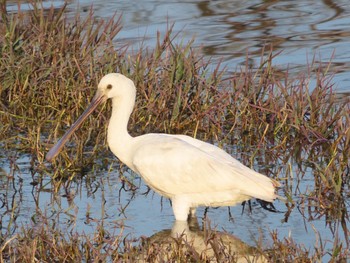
(190, 172)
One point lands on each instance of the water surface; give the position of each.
(228, 30)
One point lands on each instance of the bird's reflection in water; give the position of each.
(187, 242)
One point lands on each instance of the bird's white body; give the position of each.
(188, 171)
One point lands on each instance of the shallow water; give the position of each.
(228, 30)
(225, 30)
(99, 199)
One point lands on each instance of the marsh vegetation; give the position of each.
(283, 126)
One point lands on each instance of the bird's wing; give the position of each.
(174, 166)
(207, 147)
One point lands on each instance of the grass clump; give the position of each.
(46, 243)
(47, 60)
(51, 64)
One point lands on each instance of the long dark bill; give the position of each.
(97, 99)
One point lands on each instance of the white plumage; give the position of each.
(188, 171)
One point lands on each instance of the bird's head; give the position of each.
(115, 85)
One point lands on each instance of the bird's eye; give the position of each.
(109, 86)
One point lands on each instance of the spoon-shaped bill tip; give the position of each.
(55, 150)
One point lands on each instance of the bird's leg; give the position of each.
(193, 212)
(181, 208)
(179, 229)
(193, 222)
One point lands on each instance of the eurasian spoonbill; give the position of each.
(190, 172)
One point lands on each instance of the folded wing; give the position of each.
(173, 166)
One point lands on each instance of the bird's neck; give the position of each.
(119, 140)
